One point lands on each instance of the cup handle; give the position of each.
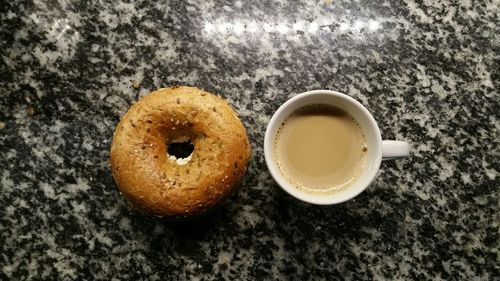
(395, 149)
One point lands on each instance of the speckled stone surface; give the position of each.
(428, 70)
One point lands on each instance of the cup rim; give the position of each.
(330, 199)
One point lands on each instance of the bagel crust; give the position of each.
(153, 181)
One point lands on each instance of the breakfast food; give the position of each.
(143, 154)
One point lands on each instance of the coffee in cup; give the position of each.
(324, 147)
(320, 149)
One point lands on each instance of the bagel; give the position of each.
(162, 185)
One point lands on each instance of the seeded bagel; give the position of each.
(161, 185)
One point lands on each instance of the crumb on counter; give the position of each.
(136, 84)
(31, 111)
(2, 125)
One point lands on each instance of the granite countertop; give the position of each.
(428, 70)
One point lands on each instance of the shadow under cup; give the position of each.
(353, 108)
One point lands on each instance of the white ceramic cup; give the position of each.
(378, 149)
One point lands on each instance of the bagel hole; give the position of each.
(180, 149)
